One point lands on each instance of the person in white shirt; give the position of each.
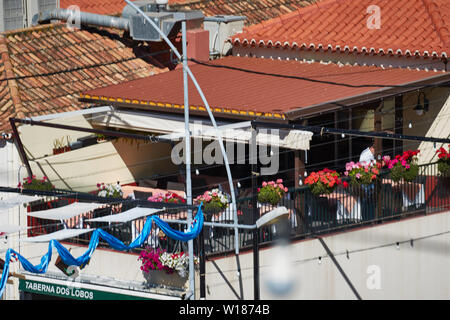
(368, 155)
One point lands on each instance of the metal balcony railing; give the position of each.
(345, 208)
(309, 215)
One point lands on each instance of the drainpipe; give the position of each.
(82, 18)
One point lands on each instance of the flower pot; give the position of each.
(158, 278)
(212, 208)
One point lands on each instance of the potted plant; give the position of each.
(36, 184)
(168, 197)
(100, 137)
(404, 166)
(110, 191)
(160, 267)
(272, 192)
(60, 147)
(214, 201)
(323, 181)
(444, 161)
(362, 173)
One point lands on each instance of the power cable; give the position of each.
(97, 65)
(316, 80)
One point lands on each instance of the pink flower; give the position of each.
(285, 189)
(279, 180)
(358, 175)
(264, 184)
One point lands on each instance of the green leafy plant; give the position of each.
(213, 201)
(362, 173)
(323, 181)
(404, 166)
(444, 161)
(272, 192)
(110, 191)
(36, 184)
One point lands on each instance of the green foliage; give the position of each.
(444, 167)
(399, 172)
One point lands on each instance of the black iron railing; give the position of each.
(309, 214)
(343, 209)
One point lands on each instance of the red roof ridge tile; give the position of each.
(27, 30)
(434, 18)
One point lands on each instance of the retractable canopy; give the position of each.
(16, 199)
(172, 126)
(126, 216)
(58, 235)
(8, 228)
(66, 212)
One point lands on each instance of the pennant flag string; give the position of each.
(115, 243)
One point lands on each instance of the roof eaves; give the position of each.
(442, 77)
(170, 107)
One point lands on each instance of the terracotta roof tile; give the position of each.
(271, 86)
(255, 10)
(407, 26)
(27, 54)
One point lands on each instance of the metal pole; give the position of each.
(18, 141)
(213, 121)
(187, 156)
(255, 216)
(202, 265)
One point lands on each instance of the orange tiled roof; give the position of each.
(255, 10)
(408, 27)
(250, 87)
(109, 7)
(71, 61)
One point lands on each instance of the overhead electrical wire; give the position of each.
(219, 66)
(97, 65)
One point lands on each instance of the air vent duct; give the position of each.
(139, 28)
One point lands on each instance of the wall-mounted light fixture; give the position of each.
(419, 108)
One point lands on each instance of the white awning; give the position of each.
(66, 212)
(173, 127)
(16, 199)
(8, 228)
(126, 216)
(58, 235)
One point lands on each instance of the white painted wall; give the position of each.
(11, 173)
(418, 272)
(410, 272)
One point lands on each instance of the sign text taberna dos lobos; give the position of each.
(72, 291)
